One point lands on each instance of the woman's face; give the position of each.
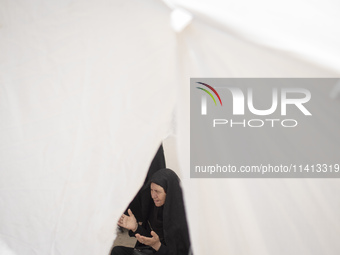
(158, 194)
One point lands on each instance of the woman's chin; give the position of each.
(158, 204)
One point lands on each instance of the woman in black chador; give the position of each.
(164, 227)
(157, 163)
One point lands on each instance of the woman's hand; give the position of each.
(128, 222)
(153, 241)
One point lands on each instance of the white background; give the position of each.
(88, 90)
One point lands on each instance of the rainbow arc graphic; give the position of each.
(204, 101)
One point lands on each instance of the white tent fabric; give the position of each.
(90, 88)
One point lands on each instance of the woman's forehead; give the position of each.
(155, 186)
